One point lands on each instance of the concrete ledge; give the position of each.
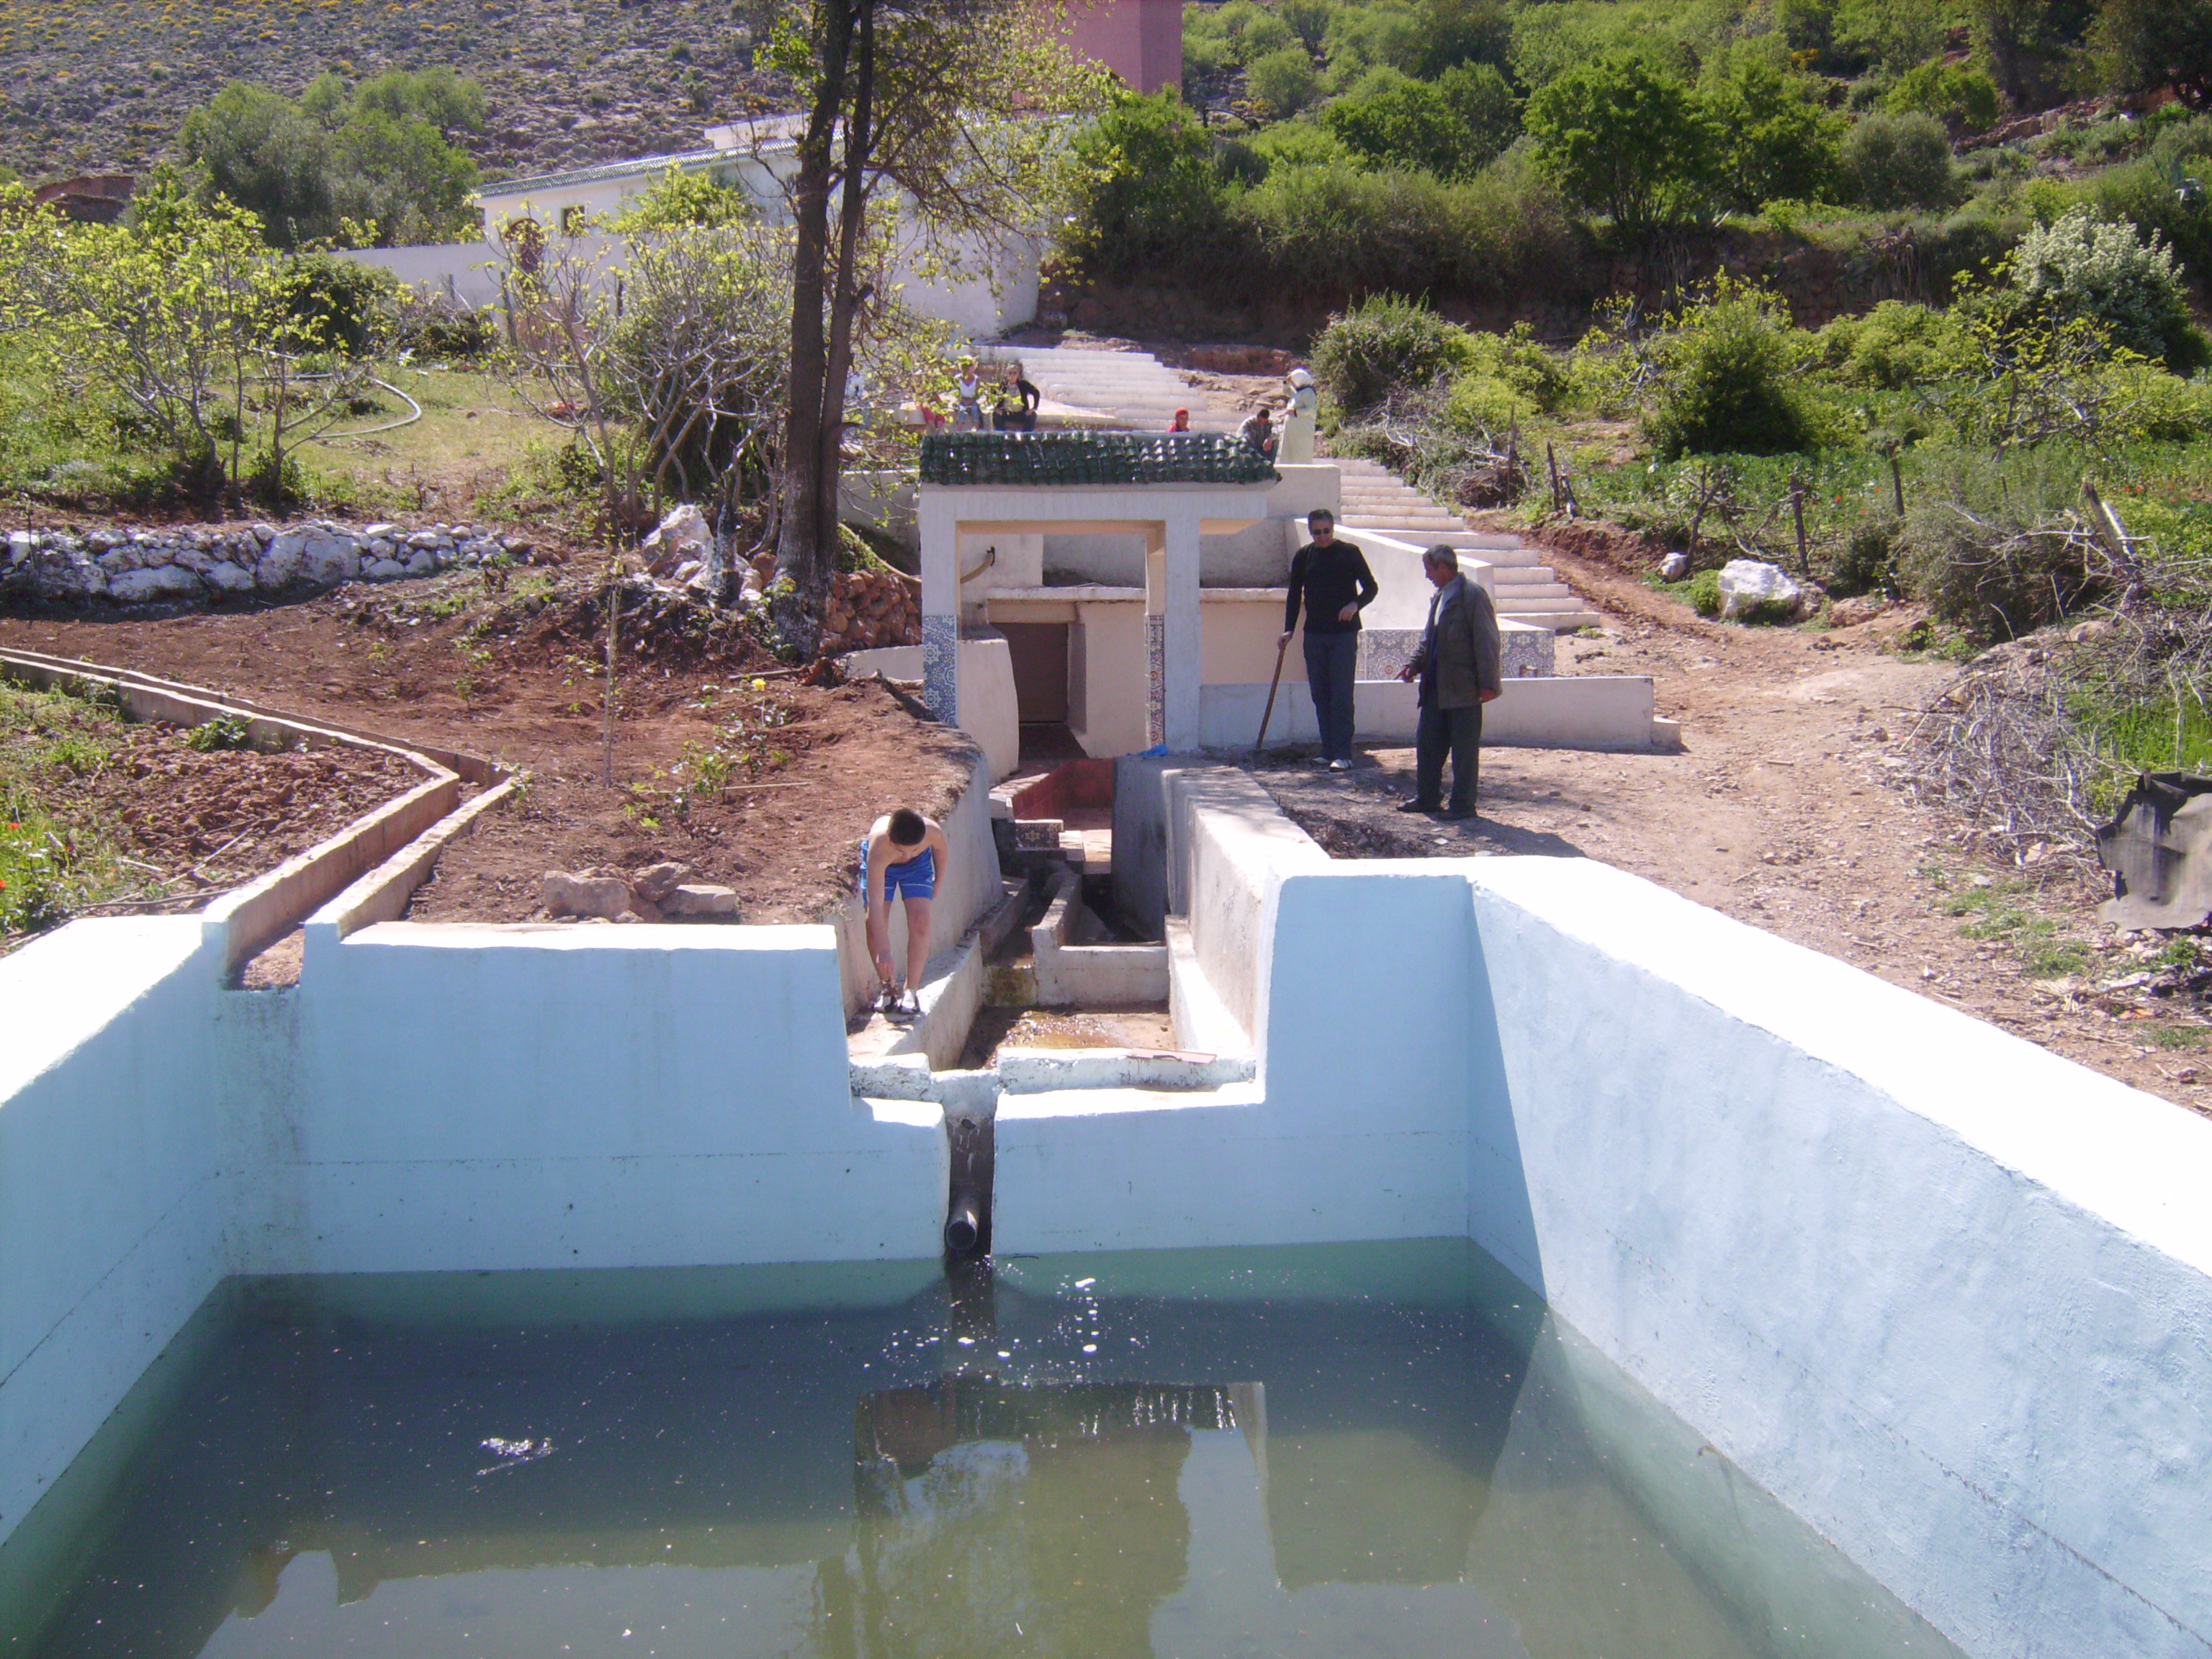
(383, 894)
(1042, 1070)
(949, 997)
(1603, 712)
(1091, 975)
(1200, 1017)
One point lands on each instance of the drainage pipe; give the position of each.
(963, 1225)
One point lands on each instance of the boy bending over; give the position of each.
(903, 856)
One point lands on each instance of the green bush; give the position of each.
(1965, 99)
(2132, 289)
(1152, 191)
(1773, 138)
(1625, 140)
(1728, 380)
(351, 306)
(1506, 378)
(1900, 161)
(1409, 125)
(1896, 345)
(1285, 81)
(1705, 592)
(1864, 562)
(1989, 548)
(1384, 345)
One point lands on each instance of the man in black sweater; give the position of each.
(1331, 579)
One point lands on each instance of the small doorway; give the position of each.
(1039, 651)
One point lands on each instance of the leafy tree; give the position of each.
(1895, 34)
(2151, 43)
(1772, 139)
(1486, 108)
(1151, 193)
(258, 151)
(1900, 161)
(1410, 125)
(1284, 81)
(1454, 32)
(1387, 32)
(1965, 99)
(1308, 20)
(678, 198)
(2028, 45)
(379, 158)
(929, 103)
(1621, 139)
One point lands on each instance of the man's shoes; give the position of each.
(1419, 806)
(1320, 761)
(1339, 765)
(1456, 814)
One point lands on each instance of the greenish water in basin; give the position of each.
(1342, 1451)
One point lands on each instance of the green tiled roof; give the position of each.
(1091, 458)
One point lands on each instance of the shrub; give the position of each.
(349, 306)
(1900, 161)
(1864, 563)
(1152, 193)
(1384, 343)
(1409, 125)
(1991, 551)
(1727, 380)
(1705, 592)
(1896, 345)
(1963, 98)
(1772, 137)
(2107, 273)
(1284, 81)
(1620, 139)
(1505, 377)
(1486, 107)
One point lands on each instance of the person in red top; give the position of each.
(1181, 421)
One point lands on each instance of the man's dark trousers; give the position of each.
(1330, 660)
(1457, 731)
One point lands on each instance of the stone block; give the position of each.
(604, 897)
(657, 881)
(228, 578)
(329, 558)
(701, 901)
(160, 581)
(279, 565)
(383, 570)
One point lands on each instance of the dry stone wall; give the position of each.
(183, 567)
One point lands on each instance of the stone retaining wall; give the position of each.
(183, 566)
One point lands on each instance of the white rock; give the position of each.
(196, 559)
(607, 897)
(421, 562)
(118, 560)
(329, 558)
(383, 570)
(263, 534)
(426, 539)
(686, 571)
(381, 533)
(160, 581)
(100, 541)
(683, 526)
(381, 547)
(279, 566)
(228, 578)
(20, 546)
(700, 901)
(1673, 566)
(1748, 582)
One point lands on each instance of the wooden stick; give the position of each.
(1282, 650)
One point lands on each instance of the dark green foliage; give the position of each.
(1864, 561)
(1900, 161)
(2028, 45)
(1729, 380)
(1989, 550)
(1455, 32)
(381, 159)
(1773, 138)
(1965, 99)
(1383, 344)
(1623, 139)
(1408, 126)
(1896, 345)
(1486, 107)
(1705, 592)
(2149, 44)
(1155, 197)
(352, 305)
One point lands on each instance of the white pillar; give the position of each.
(1181, 654)
(939, 526)
(1155, 636)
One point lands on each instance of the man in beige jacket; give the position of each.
(1459, 668)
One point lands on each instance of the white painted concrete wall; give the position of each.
(1575, 711)
(1947, 1296)
(111, 1219)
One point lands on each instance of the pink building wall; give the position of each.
(1140, 40)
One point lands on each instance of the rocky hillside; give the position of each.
(89, 85)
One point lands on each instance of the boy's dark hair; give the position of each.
(1321, 515)
(907, 827)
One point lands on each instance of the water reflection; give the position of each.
(1360, 1451)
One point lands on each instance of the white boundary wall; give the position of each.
(1948, 1296)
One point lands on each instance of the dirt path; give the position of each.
(1779, 812)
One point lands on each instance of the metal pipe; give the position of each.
(963, 1225)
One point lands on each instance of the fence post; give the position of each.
(1797, 512)
(1552, 460)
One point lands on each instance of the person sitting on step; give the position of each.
(903, 857)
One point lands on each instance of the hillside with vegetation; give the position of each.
(87, 85)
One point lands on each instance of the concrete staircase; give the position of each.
(1376, 499)
(1144, 393)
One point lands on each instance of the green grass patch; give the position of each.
(2003, 912)
(51, 860)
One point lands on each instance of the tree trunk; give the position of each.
(847, 292)
(801, 573)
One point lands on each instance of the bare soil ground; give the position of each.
(721, 759)
(1780, 810)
